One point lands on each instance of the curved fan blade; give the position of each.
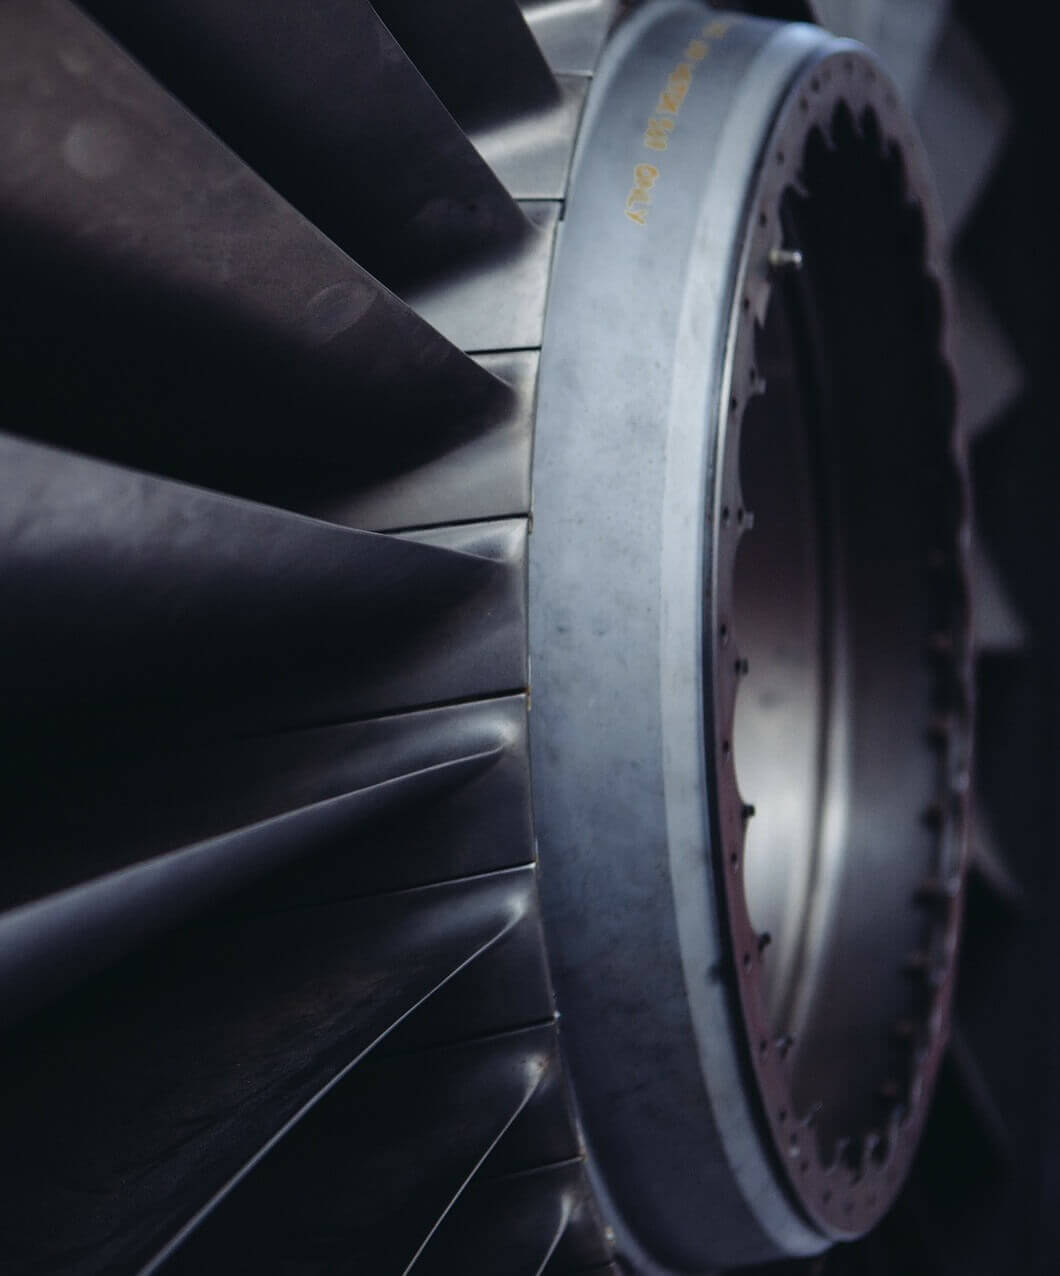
(858, 19)
(477, 55)
(996, 622)
(571, 33)
(528, 1224)
(273, 986)
(990, 376)
(326, 105)
(905, 37)
(166, 309)
(152, 1089)
(134, 600)
(964, 118)
(988, 861)
(406, 777)
(335, 1192)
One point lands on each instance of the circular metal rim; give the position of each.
(844, 1202)
(618, 729)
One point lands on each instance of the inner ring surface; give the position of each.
(847, 623)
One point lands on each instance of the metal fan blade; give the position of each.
(980, 1103)
(57, 942)
(571, 33)
(990, 376)
(997, 625)
(459, 772)
(364, 1179)
(478, 55)
(498, 304)
(155, 1087)
(988, 861)
(532, 154)
(330, 110)
(485, 476)
(905, 37)
(132, 599)
(164, 308)
(964, 119)
(522, 1224)
(858, 19)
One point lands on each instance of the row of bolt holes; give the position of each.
(734, 859)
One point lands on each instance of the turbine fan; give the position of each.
(270, 858)
(275, 988)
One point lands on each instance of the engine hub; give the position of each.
(749, 636)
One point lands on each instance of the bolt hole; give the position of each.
(747, 961)
(724, 515)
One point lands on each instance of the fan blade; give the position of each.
(324, 103)
(355, 1184)
(56, 942)
(523, 1225)
(570, 33)
(477, 55)
(532, 155)
(907, 32)
(487, 476)
(499, 304)
(989, 863)
(855, 18)
(456, 816)
(996, 623)
(964, 119)
(171, 312)
(990, 376)
(133, 600)
(153, 1089)
(980, 1103)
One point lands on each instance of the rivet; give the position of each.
(785, 259)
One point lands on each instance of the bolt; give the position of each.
(785, 259)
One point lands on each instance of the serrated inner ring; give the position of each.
(839, 643)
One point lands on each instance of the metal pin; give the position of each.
(785, 259)
(784, 1044)
(747, 812)
(814, 1111)
(764, 940)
